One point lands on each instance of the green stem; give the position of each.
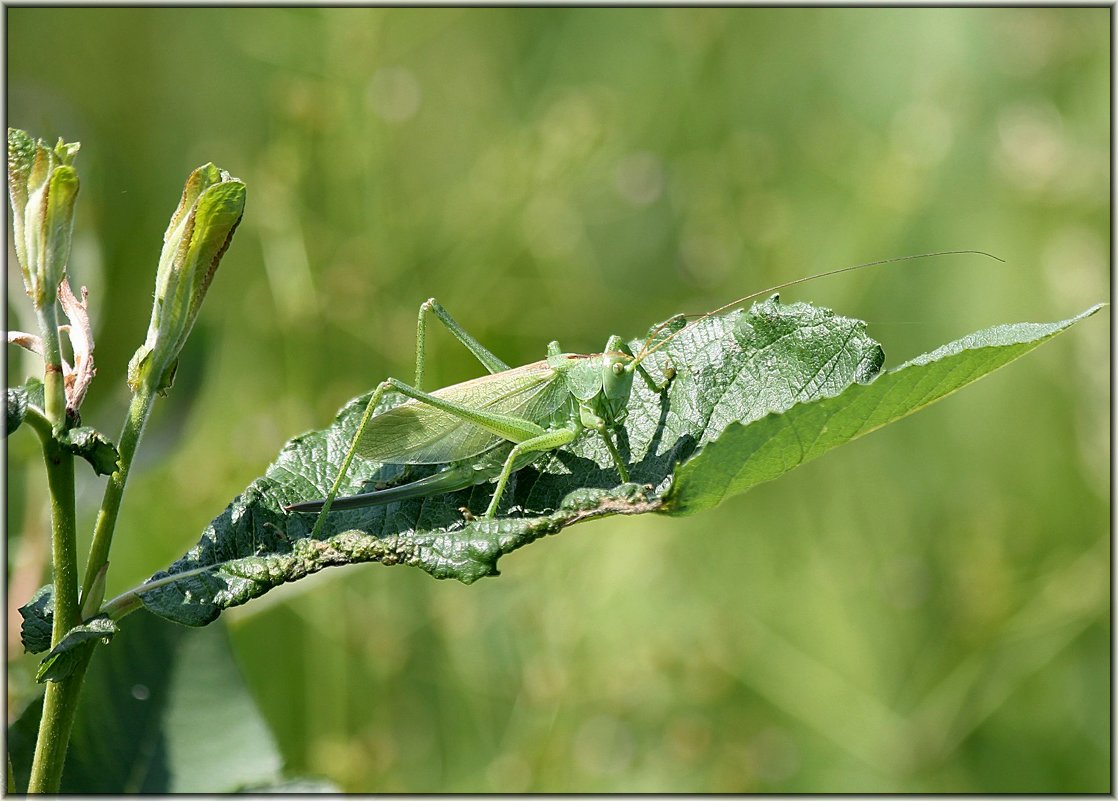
(54, 387)
(60, 481)
(39, 423)
(60, 704)
(124, 604)
(64, 557)
(130, 435)
(61, 699)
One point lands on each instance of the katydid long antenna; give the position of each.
(647, 351)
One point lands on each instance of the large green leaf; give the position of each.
(732, 372)
(747, 455)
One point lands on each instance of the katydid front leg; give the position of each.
(372, 404)
(614, 454)
(656, 386)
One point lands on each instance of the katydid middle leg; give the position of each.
(614, 454)
(549, 440)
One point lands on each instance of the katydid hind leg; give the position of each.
(513, 429)
(504, 426)
(487, 358)
(374, 401)
(483, 354)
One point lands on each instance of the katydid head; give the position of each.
(616, 368)
(615, 383)
(601, 383)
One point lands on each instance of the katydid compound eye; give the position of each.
(618, 368)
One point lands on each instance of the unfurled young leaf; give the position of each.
(38, 619)
(94, 447)
(60, 662)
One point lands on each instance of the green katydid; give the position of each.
(499, 423)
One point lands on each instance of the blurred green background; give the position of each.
(925, 610)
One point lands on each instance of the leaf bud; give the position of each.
(43, 188)
(197, 237)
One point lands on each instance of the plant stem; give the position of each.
(60, 481)
(39, 423)
(60, 701)
(60, 704)
(130, 435)
(54, 387)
